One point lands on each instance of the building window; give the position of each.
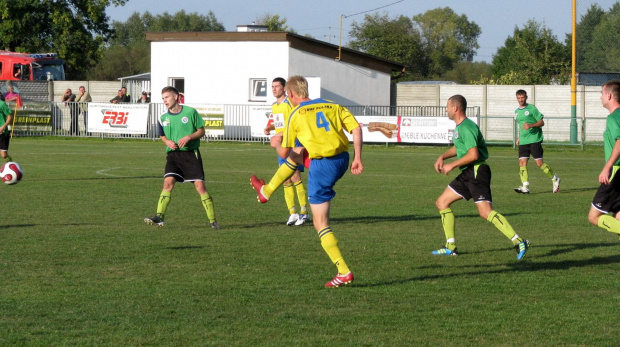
(258, 89)
(178, 83)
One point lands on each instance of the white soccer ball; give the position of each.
(11, 173)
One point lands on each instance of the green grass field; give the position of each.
(79, 267)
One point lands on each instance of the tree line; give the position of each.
(439, 44)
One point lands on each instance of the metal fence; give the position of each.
(68, 119)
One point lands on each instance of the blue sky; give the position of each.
(321, 18)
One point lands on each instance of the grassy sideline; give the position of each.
(78, 267)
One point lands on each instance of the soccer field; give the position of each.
(79, 267)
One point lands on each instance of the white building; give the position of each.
(238, 67)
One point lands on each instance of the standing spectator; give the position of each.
(181, 129)
(118, 99)
(474, 180)
(69, 99)
(83, 98)
(6, 117)
(607, 197)
(126, 96)
(530, 139)
(11, 95)
(319, 125)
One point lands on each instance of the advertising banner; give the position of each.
(213, 116)
(260, 117)
(117, 118)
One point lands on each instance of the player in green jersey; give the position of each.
(473, 182)
(607, 197)
(6, 117)
(318, 124)
(530, 122)
(181, 129)
(280, 111)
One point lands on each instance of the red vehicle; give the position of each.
(31, 66)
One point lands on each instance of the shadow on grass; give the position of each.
(565, 191)
(517, 266)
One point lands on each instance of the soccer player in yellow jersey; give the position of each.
(280, 110)
(318, 124)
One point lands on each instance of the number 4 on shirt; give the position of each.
(321, 121)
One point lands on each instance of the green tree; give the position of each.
(533, 55)
(466, 72)
(129, 53)
(274, 23)
(75, 29)
(392, 39)
(585, 31)
(602, 53)
(447, 38)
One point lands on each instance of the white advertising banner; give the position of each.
(117, 118)
(213, 116)
(260, 117)
(435, 130)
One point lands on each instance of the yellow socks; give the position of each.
(547, 170)
(609, 223)
(284, 172)
(8, 158)
(523, 174)
(330, 245)
(447, 221)
(162, 204)
(301, 196)
(289, 197)
(502, 225)
(207, 203)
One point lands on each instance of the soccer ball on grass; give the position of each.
(11, 173)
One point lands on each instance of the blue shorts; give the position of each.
(323, 175)
(282, 161)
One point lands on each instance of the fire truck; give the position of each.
(31, 66)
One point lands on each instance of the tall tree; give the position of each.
(602, 54)
(128, 53)
(75, 29)
(392, 39)
(274, 23)
(533, 55)
(447, 38)
(585, 32)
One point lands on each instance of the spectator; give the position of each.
(11, 95)
(144, 98)
(126, 96)
(181, 98)
(83, 98)
(69, 99)
(119, 98)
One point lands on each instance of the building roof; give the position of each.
(295, 41)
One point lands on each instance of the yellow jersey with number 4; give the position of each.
(319, 125)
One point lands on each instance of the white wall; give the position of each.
(343, 83)
(217, 72)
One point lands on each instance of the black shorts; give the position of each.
(471, 184)
(607, 197)
(4, 142)
(533, 149)
(185, 166)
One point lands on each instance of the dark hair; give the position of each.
(613, 87)
(281, 80)
(459, 101)
(170, 89)
(521, 92)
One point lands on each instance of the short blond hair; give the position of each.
(298, 85)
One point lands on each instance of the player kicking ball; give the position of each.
(318, 124)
